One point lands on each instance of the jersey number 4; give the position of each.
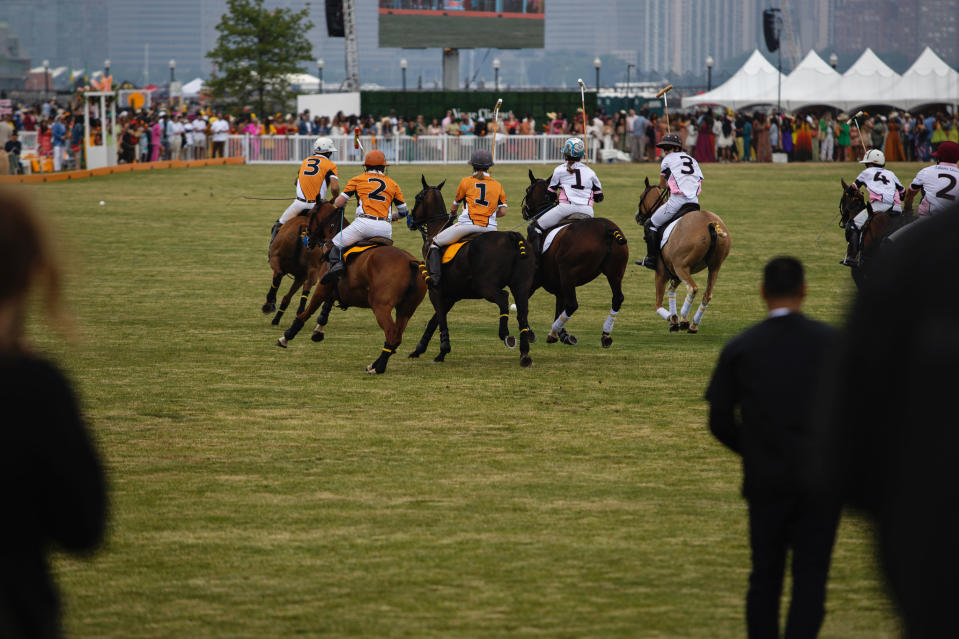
(879, 177)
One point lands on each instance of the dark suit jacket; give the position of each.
(760, 400)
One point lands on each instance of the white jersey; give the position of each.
(939, 184)
(682, 173)
(882, 184)
(220, 129)
(575, 185)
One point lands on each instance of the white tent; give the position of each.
(868, 81)
(928, 81)
(304, 81)
(192, 88)
(812, 82)
(755, 83)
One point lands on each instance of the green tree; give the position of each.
(255, 50)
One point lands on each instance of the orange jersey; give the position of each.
(481, 198)
(314, 177)
(375, 193)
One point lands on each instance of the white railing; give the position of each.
(424, 149)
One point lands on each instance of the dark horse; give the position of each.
(481, 269)
(381, 278)
(877, 227)
(578, 254)
(290, 256)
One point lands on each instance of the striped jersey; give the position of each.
(480, 197)
(375, 193)
(314, 178)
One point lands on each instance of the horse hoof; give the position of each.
(268, 308)
(317, 336)
(684, 326)
(693, 331)
(414, 354)
(525, 361)
(552, 338)
(372, 370)
(510, 342)
(606, 340)
(569, 340)
(673, 328)
(531, 337)
(275, 321)
(282, 342)
(439, 358)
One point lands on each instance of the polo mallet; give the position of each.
(662, 94)
(582, 98)
(856, 122)
(356, 140)
(499, 103)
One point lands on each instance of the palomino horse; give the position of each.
(480, 270)
(577, 255)
(878, 227)
(290, 256)
(381, 278)
(699, 241)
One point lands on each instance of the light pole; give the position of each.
(319, 75)
(709, 72)
(403, 69)
(629, 67)
(172, 70)
(496, 65)
(106, 68)
(833, 60)
(597, 63)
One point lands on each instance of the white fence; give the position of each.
(424, 149)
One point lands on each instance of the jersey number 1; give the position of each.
(482, 198)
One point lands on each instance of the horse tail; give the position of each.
(714, 232)
(718, 230)
(417, 270)
(520, 243)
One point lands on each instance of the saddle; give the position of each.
(364, 245)
(452, 249)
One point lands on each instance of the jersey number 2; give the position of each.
(944, 192)
(375, 194)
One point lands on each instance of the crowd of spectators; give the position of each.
(180, 132)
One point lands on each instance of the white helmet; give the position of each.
(323, 145)
(873, 156)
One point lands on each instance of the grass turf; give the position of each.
(262, 492)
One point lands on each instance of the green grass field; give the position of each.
(260, 492)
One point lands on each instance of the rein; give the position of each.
(527, 216)
(663, 196)
(423, 225)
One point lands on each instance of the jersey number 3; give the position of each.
(688, 168)
(313, 166)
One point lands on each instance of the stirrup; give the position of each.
(649, 262)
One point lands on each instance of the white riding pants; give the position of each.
(361, 229)
(457, 231)
(667, 211)
(556, 215)
(877, 207)
(294, 209)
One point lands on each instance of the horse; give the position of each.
(382, 278)
(700, 240)
(579, 253)
(290, 256)
(878, 227)
(480, 270)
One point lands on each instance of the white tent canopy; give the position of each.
(813, 82)
(929, 80)
(810, 83)
(192, 88)
(868, 81)
(754, 83)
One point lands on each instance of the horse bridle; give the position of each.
(423, 225)
(854, 196)
(663, 196)
(311, 240)
(525, 207)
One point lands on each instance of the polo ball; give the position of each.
(102, 203)
(512, 307)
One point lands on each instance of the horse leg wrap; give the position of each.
(559, 323)
(271, 296)
(687, 305)
(672, 302)
(662, 312)
(303, 298)
(610, 319)
(698, 317)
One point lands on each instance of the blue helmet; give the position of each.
(574, 148)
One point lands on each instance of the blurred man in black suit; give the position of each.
(760, 397)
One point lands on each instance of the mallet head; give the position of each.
(664, 91)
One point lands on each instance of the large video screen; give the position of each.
(462, 24)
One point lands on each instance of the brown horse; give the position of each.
(381, 278)
(878, 227)
(289, 255)
(579, 253)
(699, 241)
